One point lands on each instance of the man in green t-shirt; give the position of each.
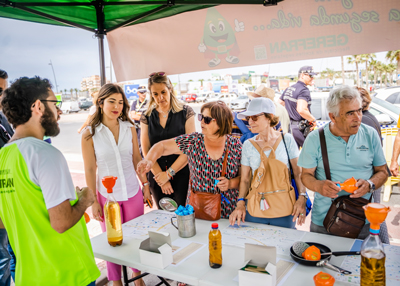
(38, 205)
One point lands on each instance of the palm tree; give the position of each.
(328, 73)
(366, 58)
(373, 64)
(201, 81)
(391, 68)
(71, 91)
(379, 70)
(190, 80)
(76, 92)
(393, 56)
(355, 59)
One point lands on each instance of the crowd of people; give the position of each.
(251, 159)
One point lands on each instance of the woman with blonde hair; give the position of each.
(166, 118)
(110, 148)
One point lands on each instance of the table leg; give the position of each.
(127, 281)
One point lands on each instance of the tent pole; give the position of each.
(101, 55)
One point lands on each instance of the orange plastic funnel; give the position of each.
(87, 217)
(349, 185)
(109, 183)
(376, 214)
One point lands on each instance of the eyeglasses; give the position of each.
(207, 120)
(253, 117)
(58, 102)
(157, 73)
(309, 75)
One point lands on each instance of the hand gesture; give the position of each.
(147, 196)
(161, 178)
(85, 195)
(299, 210)
(363, 188)
(239, 26)
(329, 189)
(167, 188)
(202, 48)
(238, 214)
(394, 168)
(144, 166)
(97, 211)
(223, 184)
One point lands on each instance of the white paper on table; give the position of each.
(154, 221)
(183, 249)
(281, 238)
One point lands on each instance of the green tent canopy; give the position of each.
(101, 17)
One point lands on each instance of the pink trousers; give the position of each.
(130, 209)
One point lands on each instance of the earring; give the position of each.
(101, 109)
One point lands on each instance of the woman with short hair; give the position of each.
(262, 119)
(206, 152)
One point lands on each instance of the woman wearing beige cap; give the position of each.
(261, 117)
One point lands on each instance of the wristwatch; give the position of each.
(371, 186)
(303, 194)
(171, 172)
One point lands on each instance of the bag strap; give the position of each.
(277, 142)
(225, 158)
(287, 153)
(324, 152)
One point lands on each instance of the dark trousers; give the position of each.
(5, 276)
(297, 134)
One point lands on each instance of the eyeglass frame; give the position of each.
(200, 117)
(157, 73)
(247, 118)
(57, 102)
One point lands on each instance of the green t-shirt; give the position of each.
(34, 177)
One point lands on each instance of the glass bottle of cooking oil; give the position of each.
(112, 214)
(372, 252)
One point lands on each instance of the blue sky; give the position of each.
(27, 48)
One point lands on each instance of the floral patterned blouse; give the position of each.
(204, 170)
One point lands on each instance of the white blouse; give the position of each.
(116, 160)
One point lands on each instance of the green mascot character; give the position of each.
(219, 39)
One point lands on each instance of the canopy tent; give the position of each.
(101, 17)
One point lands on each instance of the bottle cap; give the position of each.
(323, 279)
(214, 225)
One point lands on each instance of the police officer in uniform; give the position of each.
(139, 106)
(297, 101)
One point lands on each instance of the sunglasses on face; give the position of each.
(157, 73)
(253, 117)
(309, 75)
(207, 120)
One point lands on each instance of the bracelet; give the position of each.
(168, 174)
(146, 184)
(240, 199)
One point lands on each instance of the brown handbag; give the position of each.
(271, 195)
(207, 206)
(346, 216)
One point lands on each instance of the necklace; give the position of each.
(164, 113)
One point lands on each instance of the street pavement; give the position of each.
(69, 143)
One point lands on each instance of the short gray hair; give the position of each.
(338, 94)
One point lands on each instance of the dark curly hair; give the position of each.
(19, 97)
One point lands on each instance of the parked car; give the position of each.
(85, 103)
(70, 106)
(190, 97)
(203, 97)
(241, 102)
(225, 97)
(385, 112)
(389, 94)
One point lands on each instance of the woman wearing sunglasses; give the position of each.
(261, 117)
(166, 118)
(205, 152)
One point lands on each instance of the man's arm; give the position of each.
(378, 178)
(64, 216)
(326, 188)
(394, 165)
(302, 109)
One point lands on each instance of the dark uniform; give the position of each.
(290, 96)
(139, 107)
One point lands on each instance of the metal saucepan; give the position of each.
(324, 262)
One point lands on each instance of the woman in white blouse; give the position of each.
(110, 147)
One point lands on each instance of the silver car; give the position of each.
(240, 103)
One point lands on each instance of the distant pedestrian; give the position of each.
(39, 207)
(110, 148)
(297, 100)
(92, 110)
(137, 108)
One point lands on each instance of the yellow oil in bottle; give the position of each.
(215, 247)
(112, 215)
(373, 268)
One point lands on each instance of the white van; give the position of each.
(70, 106)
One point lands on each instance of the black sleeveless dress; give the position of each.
(174, 127)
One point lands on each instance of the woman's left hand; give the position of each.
(161, 178)
(223, 184)
(299, 210)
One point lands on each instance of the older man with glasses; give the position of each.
(297, 100)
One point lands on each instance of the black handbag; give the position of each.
(346, 216)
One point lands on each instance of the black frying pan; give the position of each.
(324, 262)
